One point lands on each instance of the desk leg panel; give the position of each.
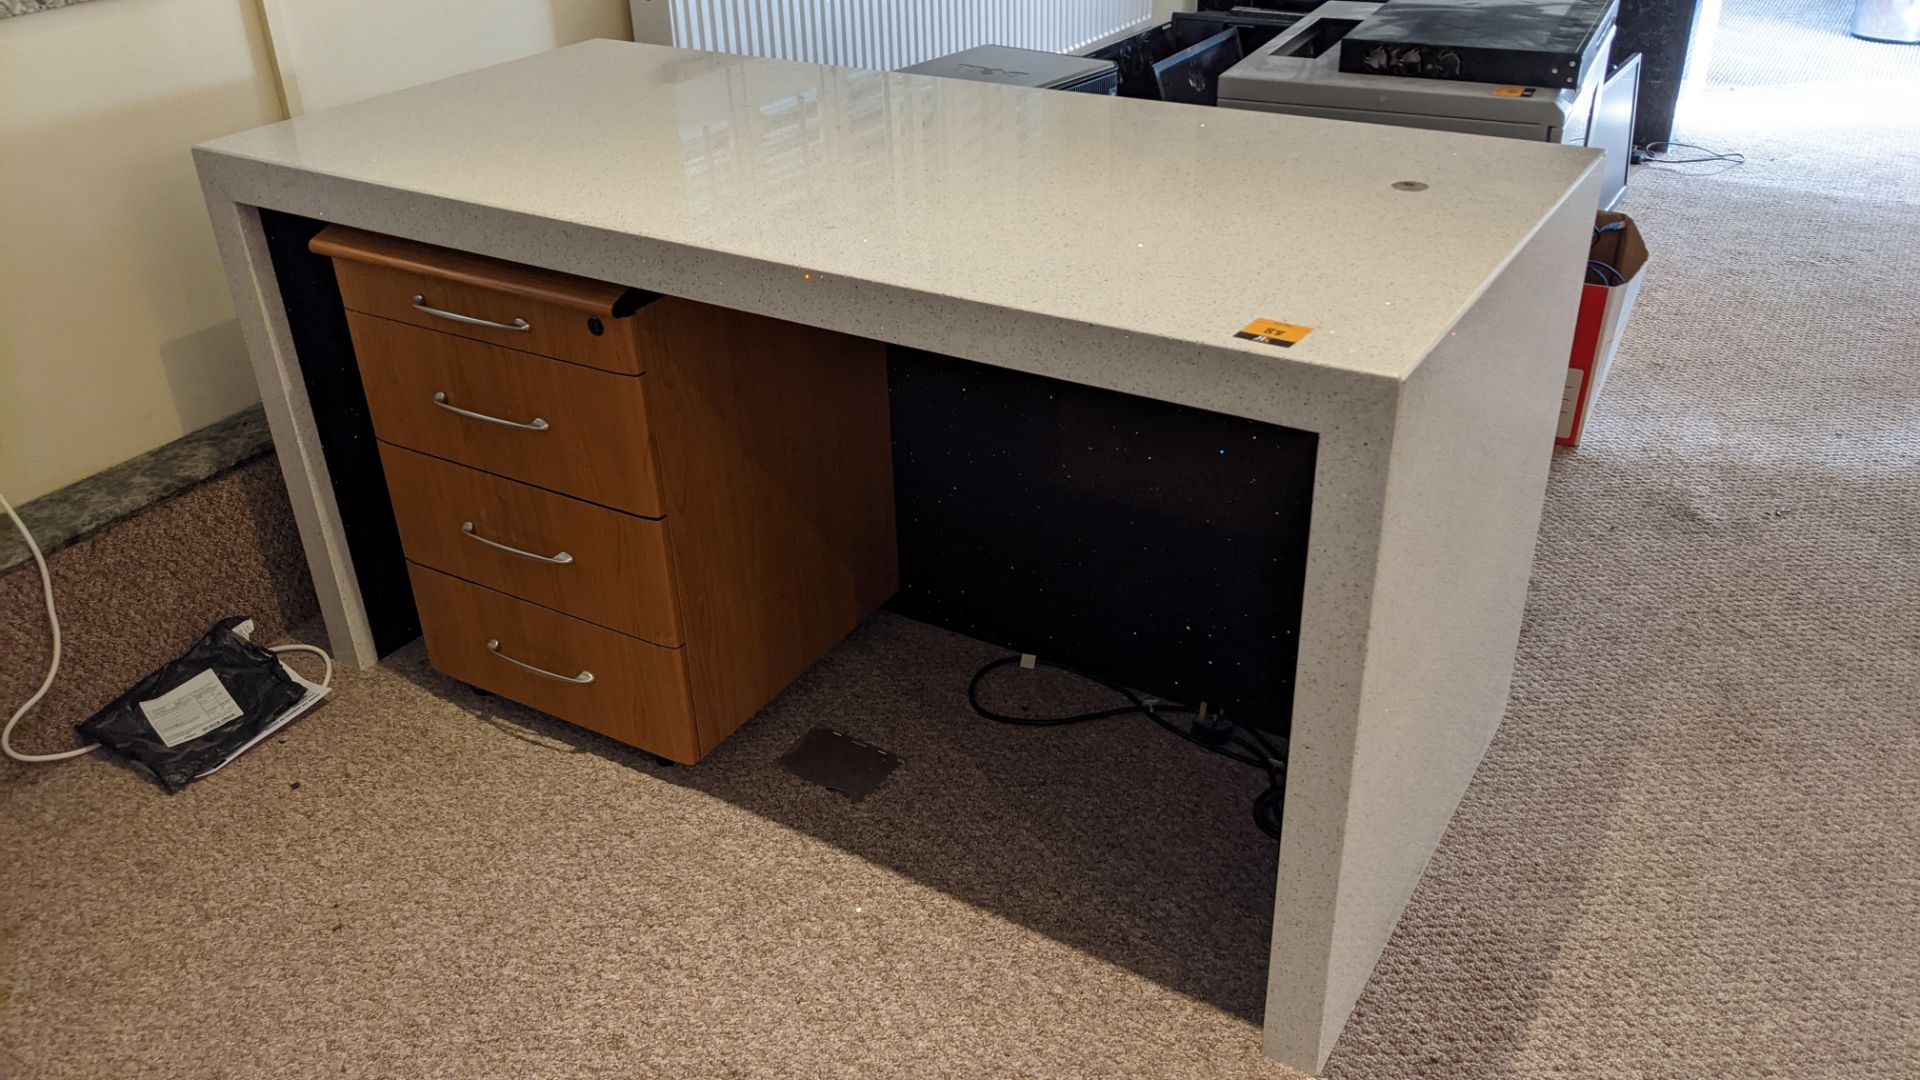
(258, 305)
(1429, 532)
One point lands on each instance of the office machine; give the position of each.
(1304, 71)
(1552, 43)
(1257, 26)
(1176, 61)
(1025, 67)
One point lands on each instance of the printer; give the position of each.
(1025, 67)
(1524, 71)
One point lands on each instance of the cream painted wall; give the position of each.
(116, 329)
(652, 21)
(335, 51)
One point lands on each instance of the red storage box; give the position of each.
(1617, 266)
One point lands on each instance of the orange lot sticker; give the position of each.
(1513, 91)
(1269, 332)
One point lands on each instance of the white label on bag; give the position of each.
(191, 709)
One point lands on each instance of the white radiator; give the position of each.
(888, 34)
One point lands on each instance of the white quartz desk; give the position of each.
(1115, 243)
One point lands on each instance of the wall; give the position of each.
(338, 51)
(116, 330)
(652, 22)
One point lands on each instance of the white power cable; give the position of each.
(53, 668)
(326, 677)
(53, 620)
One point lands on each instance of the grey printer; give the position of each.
(1025, 67)
(1299, 72)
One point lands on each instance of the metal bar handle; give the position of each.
(561, 559)
(582, 679)
(420, 304)
(535, 424)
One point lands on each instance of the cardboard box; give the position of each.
(1617, 267)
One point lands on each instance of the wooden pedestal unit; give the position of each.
(643, 515)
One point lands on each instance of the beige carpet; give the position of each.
(1691, 851)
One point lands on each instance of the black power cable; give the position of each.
(1656, 153)
(1215, 734)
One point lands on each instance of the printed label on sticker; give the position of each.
(1269, 332)
(1513, 91)
(191, 709)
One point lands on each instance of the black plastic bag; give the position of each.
(195, 712)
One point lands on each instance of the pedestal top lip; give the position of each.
(1181, 224)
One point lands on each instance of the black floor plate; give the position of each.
(839, 763)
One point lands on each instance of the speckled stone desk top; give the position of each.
(914, 200)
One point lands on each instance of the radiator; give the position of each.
(888, 34)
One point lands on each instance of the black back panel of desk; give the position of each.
(1154, 545)
(318, 322)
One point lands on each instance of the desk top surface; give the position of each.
(1176, 222)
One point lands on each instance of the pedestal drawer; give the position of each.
(561, 426)
(521, 307)
(605, 681)
(584, 560)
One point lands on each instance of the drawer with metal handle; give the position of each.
(560, 426)
(569, 318)
(593, 563)
(619, 686)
